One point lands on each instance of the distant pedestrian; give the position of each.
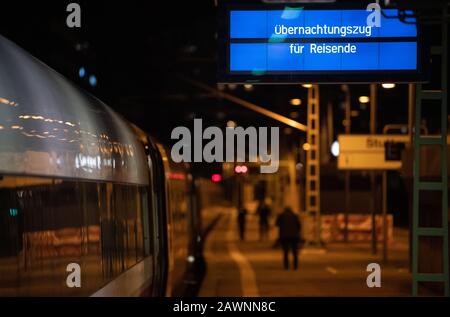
(242, 219)
(290, 233)
(263, 211)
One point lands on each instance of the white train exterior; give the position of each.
(79, 184)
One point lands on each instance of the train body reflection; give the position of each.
(79, 184)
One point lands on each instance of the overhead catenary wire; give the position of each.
(246, 104)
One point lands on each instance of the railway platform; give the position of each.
(254, 267)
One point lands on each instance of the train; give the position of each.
(80, 185)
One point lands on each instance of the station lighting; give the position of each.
(307, 85)
(306, 147)
(388, 86)
(248, 87)
(231, 124)
(335, 149)
(93, 80)
(287, 131)
(354, 113)
(220, 115)
(364, 99)
(13, 212)
(216, 178)
(8, 102)
(221, 87)
(296, 102)
(82, 72)
(177, 176)
(241, 169)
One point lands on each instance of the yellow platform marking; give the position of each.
(247, 274)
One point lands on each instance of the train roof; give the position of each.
(49, 127)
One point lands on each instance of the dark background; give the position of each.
(137, 49)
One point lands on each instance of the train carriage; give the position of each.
(79, 184)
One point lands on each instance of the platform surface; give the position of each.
(254, 267)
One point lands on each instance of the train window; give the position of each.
(90, 233)
(146, 247)
(46, 224)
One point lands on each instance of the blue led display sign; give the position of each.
(305, 44)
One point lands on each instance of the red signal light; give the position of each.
(216, 178)
(241, 169)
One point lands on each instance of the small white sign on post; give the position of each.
(367, 152)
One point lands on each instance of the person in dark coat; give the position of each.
(242, 219)
(263, 211)
(290, 232)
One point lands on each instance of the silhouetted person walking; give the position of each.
(264, 213)
(290, 232)
(242, 215)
